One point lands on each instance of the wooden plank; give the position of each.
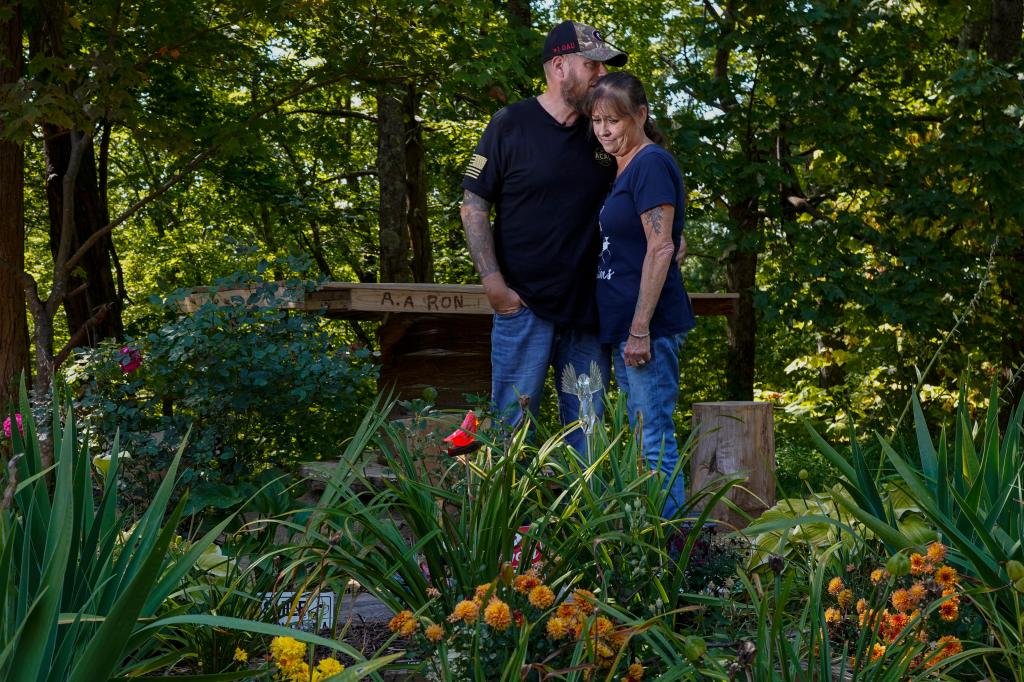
(735, 437)
(355, 299)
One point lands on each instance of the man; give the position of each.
(545, 175)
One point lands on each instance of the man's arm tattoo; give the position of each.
(653, 218)
(476, 220)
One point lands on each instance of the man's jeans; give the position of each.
(522, 348)
(651, 390)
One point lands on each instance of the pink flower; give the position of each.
(130, 360)
(465, 435)
(7, 425)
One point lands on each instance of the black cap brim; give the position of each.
(607, 55)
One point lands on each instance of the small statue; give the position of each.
(584, 387)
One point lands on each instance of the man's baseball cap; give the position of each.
(569, 38)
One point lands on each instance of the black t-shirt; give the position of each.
(547, 182)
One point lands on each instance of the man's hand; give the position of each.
(502, 298)
(681, 253)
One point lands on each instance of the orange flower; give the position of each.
(918, 564)
(918, 592)
(878, 575)
(498, 615)
(557, 628)
(845, 599)
(566, 611)
(602, 626)
(541, 597)
(876, 651)
(949, 611)
(466, 611)
(944, 648)
(895, 624)
(584, 600)
(481, 591)
(832, 615)
(524, 583)
(636, 673)
(403, 623)
(936, 553)
(835, 586)
(435, 633)
(901, 600)
(862, 605)
(946, 576)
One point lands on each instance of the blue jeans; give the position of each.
(523, 346)
(651, 393)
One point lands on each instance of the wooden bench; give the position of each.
(432, 335)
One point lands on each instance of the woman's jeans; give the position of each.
(522, 348)
(651, 392)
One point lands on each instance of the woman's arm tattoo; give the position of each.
(653, 219)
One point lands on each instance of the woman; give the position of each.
(644, 310)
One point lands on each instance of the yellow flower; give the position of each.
(541, 597)
(287, 648)
(557, 628)
(876, 651)
(902, 601)
(584, 600)
(835, 586)
(832, 615)
(636, 672)
(435, 633)
(240, 655)
(404, 623)
(936, 553)
(946, 576)
(296, 671)
(482, 590)
(524, 584)
(327, 667)
(918, 564)
(497, 614)
(603, 650)
(878, 575)
(845, 599)
(466, 611)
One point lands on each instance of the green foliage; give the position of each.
(261, 387)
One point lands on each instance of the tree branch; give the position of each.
(335, 113)
(80, 334)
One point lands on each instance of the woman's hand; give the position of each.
(637, 352)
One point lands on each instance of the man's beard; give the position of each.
(574, 93)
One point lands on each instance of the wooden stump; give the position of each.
(735, 437)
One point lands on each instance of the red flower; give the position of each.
(130, 360)
(464, 435)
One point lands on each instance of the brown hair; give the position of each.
(624, 94)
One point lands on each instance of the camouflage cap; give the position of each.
(569, 37)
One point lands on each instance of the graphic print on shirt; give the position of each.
(604, 260)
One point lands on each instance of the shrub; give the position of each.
(260, 387)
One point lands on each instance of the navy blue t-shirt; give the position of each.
(546, 182)
(651, 179)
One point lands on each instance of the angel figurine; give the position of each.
(584, 387)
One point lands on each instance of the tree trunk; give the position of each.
(740, 278)
(416, 185)
(91, 287)
(1005, 30)
(13, 323)
(394, 200)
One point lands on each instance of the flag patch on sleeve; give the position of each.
(476, 166)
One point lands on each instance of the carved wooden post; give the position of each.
(734, 437)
